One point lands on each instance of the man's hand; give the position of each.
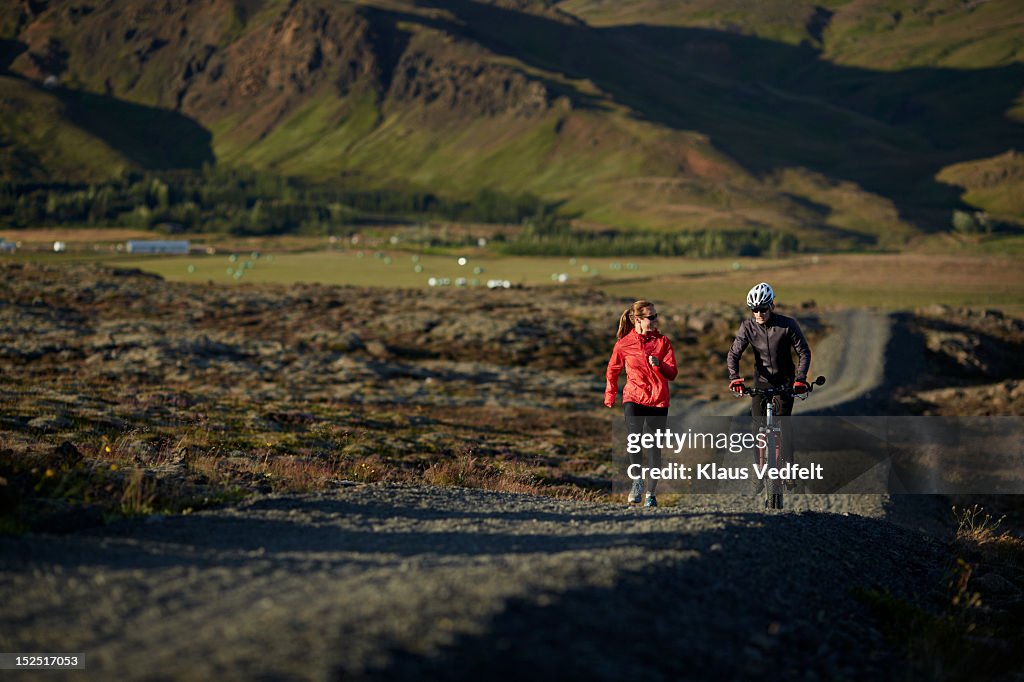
(737, 387)
(800, 387)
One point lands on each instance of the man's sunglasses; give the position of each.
(762, 309)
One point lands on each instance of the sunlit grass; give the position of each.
(979, 531)
(985, 275)
(399, 268)
(465, 470)
(885, 281)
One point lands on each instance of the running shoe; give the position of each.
(651, 500)
(636, 492)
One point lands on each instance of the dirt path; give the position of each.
(853, 358)
(403, 583)
(377, 582)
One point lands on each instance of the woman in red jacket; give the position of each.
(650, 363)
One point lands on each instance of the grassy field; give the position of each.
(954, 272)
(399, 268)
(885, 281)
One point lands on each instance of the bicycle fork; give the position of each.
(770, 456)
(769, 423)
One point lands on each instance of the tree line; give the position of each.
(247, 203)
(243, 202)
(557, 239)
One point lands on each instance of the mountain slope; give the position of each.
(671, 116)
(38, 142)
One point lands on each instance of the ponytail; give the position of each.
(628, 318)
(626, 322)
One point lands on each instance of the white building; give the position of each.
(157, 246)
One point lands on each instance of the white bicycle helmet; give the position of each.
(761, 294)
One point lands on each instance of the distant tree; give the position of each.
(966, 223)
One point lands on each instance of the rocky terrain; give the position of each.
(230, 481)
(972, 363)
(261, 388)
(202, 392)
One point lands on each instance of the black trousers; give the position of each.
(638, 419)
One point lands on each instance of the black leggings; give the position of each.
(637, 418)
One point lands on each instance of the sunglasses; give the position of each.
(649, 317)
(762, 309)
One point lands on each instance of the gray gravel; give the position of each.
(378, 582)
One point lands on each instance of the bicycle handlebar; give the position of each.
(773, 391)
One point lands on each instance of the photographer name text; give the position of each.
(715, 472)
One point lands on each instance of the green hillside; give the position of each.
(841, 123)
(38, 142)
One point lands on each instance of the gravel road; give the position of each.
(855, 358)
(377, 582)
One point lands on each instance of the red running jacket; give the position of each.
(645, 385)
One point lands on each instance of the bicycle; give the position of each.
(771, 453)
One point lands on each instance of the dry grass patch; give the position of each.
(61, 489)
(468, 471)
(983, 535)
(971, 629)
(138, 495)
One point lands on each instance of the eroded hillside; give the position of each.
(634, 118)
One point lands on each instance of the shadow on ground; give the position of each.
(695, 595)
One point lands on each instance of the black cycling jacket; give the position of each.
(773, 344)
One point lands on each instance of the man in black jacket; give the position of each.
(774, 339)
